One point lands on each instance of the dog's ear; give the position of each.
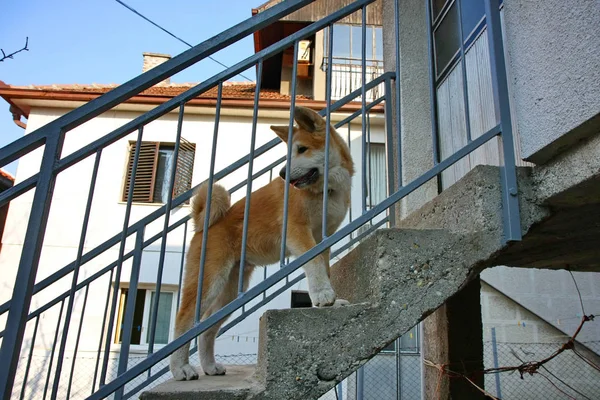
(308, 119)
(282, 131)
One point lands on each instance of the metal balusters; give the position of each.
(327, 133)
(28, 264)
(389, 147)
(70, 303)
(211, 177)
(510, 200)
(432, 91)
(163, 242)
(85, 298)
(185, 228)
(104, 319)
(363, 101)
(130, 309)
(115, 294)
(398, 94)
(53, 348)
(28, 365)
(286, 193)
(249, 180)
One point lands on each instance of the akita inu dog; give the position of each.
(304, 230)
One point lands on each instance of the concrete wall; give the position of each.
(554, 55)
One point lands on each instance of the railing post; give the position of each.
(510, 201)
(495, 355)
(28, 265)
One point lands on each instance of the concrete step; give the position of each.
(237, 384)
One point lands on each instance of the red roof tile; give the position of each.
(7, 175)
(231, 90)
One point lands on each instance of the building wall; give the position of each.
(555, 65)
(106, 220)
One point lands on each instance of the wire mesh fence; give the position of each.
(393, 374)
(566, 376)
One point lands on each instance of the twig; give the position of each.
(586, 360)
(556, 387)
(5, 56)
(578, 292)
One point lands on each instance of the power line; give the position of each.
(133, 10)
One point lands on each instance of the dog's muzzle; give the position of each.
(307, 179)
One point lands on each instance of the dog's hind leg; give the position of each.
(217, 270)
(206, 341)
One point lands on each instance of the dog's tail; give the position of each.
(219, 205)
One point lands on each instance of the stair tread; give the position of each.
(236, 383)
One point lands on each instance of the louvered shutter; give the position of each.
(143, 188)
(185, 167)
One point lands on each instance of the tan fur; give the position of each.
(219, 204)
(224, 239)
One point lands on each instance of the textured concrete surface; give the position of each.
(397, 277)
(555, 64)
(417, 145)
(304, 352)
(236, 384)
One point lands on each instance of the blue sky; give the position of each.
(100, 41)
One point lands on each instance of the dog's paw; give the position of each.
(341, 303)
(323, 297)
(184, 373)
(214, 369)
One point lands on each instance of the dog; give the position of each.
(265, 224)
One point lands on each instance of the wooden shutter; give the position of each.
(143, 188)
(185, 167)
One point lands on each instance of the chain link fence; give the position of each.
(566, 376)
(393, 374)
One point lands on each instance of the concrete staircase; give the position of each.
(397, 277)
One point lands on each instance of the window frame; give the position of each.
(184, 147)
(120, 314)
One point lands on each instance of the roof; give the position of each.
(6, 179)
(235, 95)
(231, 90)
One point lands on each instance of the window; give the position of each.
(409, 342)
(346, 68)
(144, 301)
(376, 174)
(154, 171)
(455, 23)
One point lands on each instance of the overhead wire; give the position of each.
(133, 10)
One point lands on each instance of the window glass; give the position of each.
(138, 316)
(447, 39)
(409, 342)
(378, 44)
(376, 174)
(166, 163)
(472, 11)
(341, 41)
(163, 318)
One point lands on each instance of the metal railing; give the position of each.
(52, 136)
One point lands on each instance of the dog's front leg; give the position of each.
(317, 270)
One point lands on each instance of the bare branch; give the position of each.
(25, 48)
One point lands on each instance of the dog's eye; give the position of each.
(302, 149)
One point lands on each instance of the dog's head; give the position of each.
(307, 166)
